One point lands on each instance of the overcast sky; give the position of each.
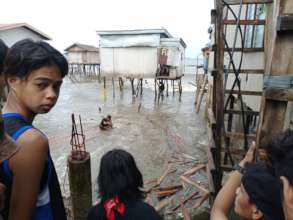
(69, 21)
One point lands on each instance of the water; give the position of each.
(146, 129)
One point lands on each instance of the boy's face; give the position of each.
(40, 90)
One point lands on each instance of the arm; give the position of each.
(288, 198)
(27, 166)
(226, 196)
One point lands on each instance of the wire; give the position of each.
(237, 80)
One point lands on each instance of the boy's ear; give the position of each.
(13, 82)
(256, 213)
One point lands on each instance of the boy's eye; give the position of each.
(41, 85)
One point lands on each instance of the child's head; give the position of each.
(259, 196)
(34, 73)
(280, 154)
(119, 176)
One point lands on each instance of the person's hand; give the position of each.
(288, 198)
(249, 157)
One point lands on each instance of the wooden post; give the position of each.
(218, 92)
(141, 86)
(132, 86)
(104, 82)
(229, 127)
(279, 47)
(155, 88)
(113, 84)
(80, 186)
(167, 90)
(180, 89)
(173, 87)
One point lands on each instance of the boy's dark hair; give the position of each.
(28, 55)
(280, 153)
(279, 145)
(3, 52)
(119, 176)
(264, 190)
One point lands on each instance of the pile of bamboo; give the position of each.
(181, 187)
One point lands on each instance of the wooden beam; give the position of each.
(236, 135)
(237, 2)
(218, 93)
(244, 22)
(279, 94)
(211, 118)
(279, 49)
(247, 50)
(249, 71)
(244, 92)
(238, 112)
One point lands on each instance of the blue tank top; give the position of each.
(15, 126)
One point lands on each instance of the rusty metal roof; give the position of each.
(4, 27)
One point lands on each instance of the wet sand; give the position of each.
(146, 129)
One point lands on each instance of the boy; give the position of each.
(34, 73)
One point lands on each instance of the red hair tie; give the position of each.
(112, 205)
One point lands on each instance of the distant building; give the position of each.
(141, 53)
(82, 54)
(11, 33)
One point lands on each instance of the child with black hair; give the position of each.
(255, 191)
(34, 73)
(120, 184)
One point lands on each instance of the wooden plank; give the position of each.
(279, 94)
(238, 112)
(244, 22)
(169, 78)
(248, 71)
(210, 179)
(244, 92)
(218, 93)
(185, 179)
(237, 2)
(247, 50)
(237, 135)
(194, 170)
(279, 61)
(211, 118)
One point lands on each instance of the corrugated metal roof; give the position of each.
(180, 40)
(162, 31)
(84, 47)
(4, 27)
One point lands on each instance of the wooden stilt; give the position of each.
(80, 187)
(155, 83)
(167, 93)
(141, 86)
(173, 87)
(113, 85)
(132, 86)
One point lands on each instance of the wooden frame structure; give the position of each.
(278, 61)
